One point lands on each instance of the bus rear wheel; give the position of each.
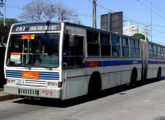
(133, 80)
(159, 74)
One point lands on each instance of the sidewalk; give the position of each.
(4, 96)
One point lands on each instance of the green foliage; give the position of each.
(9, 21)
(140, 36)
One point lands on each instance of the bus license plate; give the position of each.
(28, 92)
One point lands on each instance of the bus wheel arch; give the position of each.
(133, 78)
(94, 85)
(159, 73)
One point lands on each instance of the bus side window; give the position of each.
(164, 52)
(93, 44)
(125, 49)
(73, 51)
(137, 48)
(132, 48)
(115, 45)
(154, 51)
(105, 44)
(159, 54)
(150, 46)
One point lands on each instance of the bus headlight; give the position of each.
(11, 81)
(55, 84)
(52, 84)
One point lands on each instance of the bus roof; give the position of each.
(73, 24)
(36, 22)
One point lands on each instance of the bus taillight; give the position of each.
(60, 84)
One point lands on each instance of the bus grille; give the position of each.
(11, 73)
(49, 75)
(37, 83)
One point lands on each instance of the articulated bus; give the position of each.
(65, 60)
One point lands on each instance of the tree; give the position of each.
(9, 21)
(140, 36)
(40, 10)
(65, 14)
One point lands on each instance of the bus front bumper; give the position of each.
(33, 91)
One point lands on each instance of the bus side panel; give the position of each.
(125, 77)
(152, 71)
(163, 71)
(75, 87)
(139, 72)
(75, 84)
(119, 75)
(110, 80)
(111, 77)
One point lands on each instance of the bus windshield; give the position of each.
(34, 50)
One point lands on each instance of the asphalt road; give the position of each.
(146, 102)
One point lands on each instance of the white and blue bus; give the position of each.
(65, 60)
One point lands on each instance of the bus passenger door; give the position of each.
(73, 63)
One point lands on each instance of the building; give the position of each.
(130, 29)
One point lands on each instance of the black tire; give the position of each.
(133, 80)
(94, 87)
(159, 74)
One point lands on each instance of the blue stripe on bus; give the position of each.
(115, 63)
(12, 73)
(122, 62)
(156, 62)
(49, 76)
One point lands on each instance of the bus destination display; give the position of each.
(36, 27)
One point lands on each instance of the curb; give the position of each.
(8, 97)
(4, 96)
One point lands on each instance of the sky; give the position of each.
(136, 11)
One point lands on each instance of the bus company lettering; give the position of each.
(43, 28)
(135, 62)
(159, 62)
(30, 75)
(93, 63)
(47, 93)
(25, 37)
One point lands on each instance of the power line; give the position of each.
(156, 8)
(147, 7)
(140, 23)
(135, 21)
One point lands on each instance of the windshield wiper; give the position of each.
(28, 67)
(49, 68)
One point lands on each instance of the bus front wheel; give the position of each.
(94, 86)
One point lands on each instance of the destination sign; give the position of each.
(36, 27)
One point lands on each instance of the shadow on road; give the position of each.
(80, 100)
(160, 118)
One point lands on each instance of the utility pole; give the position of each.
(151, 20)
(94, 13)
(3, 5)
(4, 16)
(146, 31)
